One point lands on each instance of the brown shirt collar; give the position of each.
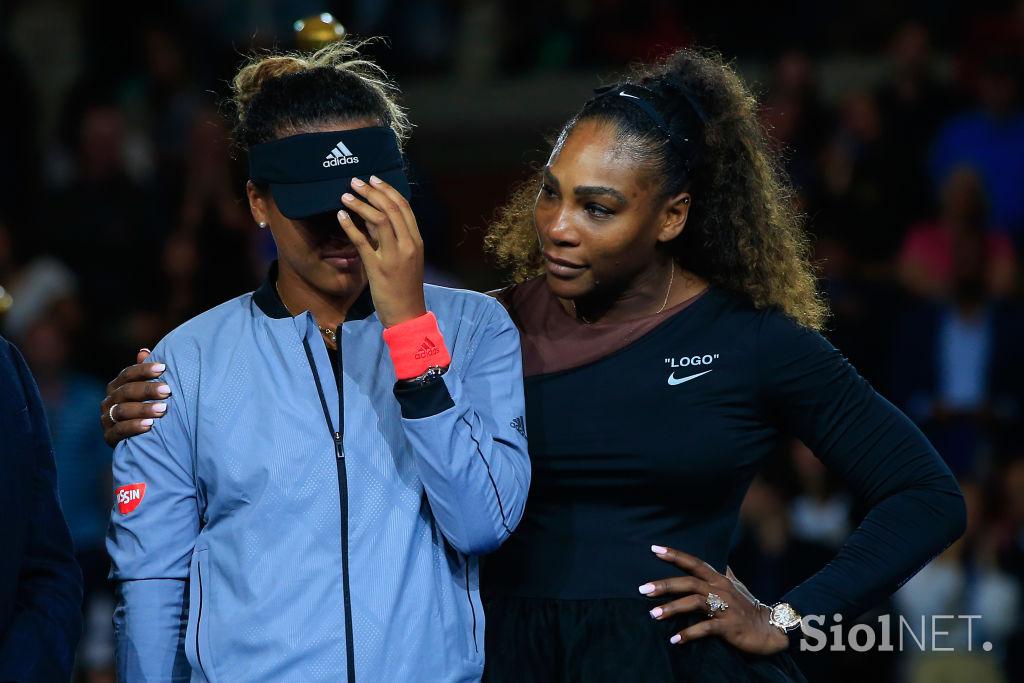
(553, 341)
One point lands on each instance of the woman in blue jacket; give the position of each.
(342, 442)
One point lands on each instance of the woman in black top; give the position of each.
(668, 318)
(669, 345)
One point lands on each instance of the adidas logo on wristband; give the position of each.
(426, 349)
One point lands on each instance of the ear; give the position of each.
(673, 217)
(257, 203)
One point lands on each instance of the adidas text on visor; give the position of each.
(309, 172)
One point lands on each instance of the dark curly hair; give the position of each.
(743, 232)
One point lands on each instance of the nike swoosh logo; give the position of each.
(672, 381)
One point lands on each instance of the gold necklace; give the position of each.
(664, 303)
(331, 335)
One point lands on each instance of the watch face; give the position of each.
(785, 616)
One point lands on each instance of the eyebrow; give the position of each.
(587, 190)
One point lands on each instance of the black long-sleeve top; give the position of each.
(657, 439)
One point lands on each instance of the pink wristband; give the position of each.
(416, 345)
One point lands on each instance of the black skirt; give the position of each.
(593, 641)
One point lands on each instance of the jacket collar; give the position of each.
(270, 303)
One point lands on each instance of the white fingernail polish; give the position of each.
(647, 588)
(675, 639)
(159, 367)
(160, 407)
(163, 390)
(659, 549)
(656, 612)
(147, 422)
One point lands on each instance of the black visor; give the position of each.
(309, 172)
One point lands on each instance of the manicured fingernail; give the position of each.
(343, 215)
(356, 182)
(159, 367)
(375, 180)
(647, 588)
(675, 639)
(163, 390)
(347, 197)
(159, 407)
(147, 422)
(659, 549)
(657, 612)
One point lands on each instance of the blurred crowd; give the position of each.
(121, 216)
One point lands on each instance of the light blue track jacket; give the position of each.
(269, 546)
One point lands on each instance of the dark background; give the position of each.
(121, 216)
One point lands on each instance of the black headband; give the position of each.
(309, 172)
(687, 144)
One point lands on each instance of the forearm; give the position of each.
(150, 621)
(897, 537)
(476, 481)
(466, 429)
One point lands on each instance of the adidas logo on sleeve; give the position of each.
(339, 156)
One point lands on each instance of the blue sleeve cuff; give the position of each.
(426, 400)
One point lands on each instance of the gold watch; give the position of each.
(783, 616)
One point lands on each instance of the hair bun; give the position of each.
(252, 76)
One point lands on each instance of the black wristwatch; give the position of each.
(432, 374)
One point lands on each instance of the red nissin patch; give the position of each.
(129, 497)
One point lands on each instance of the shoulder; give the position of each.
(781, 335)
(211, 322)
(182, 346)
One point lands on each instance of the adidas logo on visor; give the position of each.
(340, 156)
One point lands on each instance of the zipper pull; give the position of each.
(339, 446)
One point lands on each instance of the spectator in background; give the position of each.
(44, 322)
(212, 234)
(168, 96)
(40, 584)
(96, 224)
(957, 364)
(796, 118)
(913, 104)
(926, 260)
(862, 197)
(991, 140)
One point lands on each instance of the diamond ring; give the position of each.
(715, 604)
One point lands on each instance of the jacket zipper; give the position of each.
(199, 620)
(339, 458)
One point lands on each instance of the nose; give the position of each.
(561, 230)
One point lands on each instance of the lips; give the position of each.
(344, 258)
(562, 267)
(340, 253)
